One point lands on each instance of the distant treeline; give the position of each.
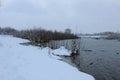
(38, 35)
(113, 36)
(105, 35)
(110, 35)
(8, 31)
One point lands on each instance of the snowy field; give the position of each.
(19, 62)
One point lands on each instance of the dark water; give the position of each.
(100, 58)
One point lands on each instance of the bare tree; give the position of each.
(68, 31)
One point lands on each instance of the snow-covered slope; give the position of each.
(19, 62)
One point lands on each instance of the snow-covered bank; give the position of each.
(61, 51)
(19, 62)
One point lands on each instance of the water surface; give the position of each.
(100, 58)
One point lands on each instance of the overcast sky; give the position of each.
(83, 16)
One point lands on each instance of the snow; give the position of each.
(19, 62)
(61, 51)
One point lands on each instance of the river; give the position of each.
(100, 58)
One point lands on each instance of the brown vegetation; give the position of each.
(38, 35)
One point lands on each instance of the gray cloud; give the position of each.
(80, 15)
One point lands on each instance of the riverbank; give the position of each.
(20, 62)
